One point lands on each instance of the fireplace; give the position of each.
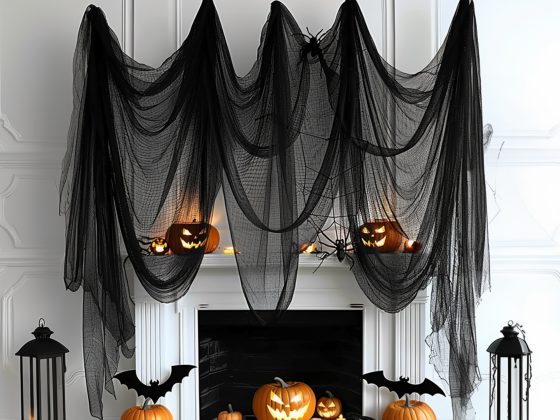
(209, 326)
(237, 354)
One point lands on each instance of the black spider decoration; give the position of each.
(340, 246)
(312, 46)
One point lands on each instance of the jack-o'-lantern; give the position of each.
(329, 407)
(187, 238)
(284, 401)
(159, 246)
(380, 235)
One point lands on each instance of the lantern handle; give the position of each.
(41, 322)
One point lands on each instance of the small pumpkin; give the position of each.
(188, 238)
(230, 414)
(408, 410)
(147, 412)
(159, 246)
(329, 407)
(284, 401)
(381, 236)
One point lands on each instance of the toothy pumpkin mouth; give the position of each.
(326, 413)
(292, 415)
(374, 244)
(192, 245)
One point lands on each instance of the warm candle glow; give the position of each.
(229, 250)
(412, 246)
(310, 249)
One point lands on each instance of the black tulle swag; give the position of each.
(319, 126)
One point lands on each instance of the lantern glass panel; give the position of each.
(42, 388)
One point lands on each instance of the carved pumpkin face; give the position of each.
(159, 246)
(284, 401)
(187, 238)
(329, 407)
(380, 235)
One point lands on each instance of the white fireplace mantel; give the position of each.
(166, 334)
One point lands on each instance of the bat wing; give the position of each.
(154, 392)
(178, 373)
(379, 379)
(402, 387)
(131, 381)
(428, 387)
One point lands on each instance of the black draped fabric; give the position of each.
(319, 129)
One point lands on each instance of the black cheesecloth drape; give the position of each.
(315, 131)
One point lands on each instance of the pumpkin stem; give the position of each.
(230, 408)
(146, 403)
(281, 382)
(407, 402)
(329, 394)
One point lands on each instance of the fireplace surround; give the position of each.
(168, 334)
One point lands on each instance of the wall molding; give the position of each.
(7, 313)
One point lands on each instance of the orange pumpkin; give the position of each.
(230, 414)
(187, 238)
(381, 236)
(408, 410)
(329, 407)
(284, 401)
(147, 412)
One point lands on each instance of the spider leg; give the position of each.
(351, 261)
(323, 258)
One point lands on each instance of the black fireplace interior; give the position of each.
(237, 355)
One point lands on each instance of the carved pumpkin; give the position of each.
(147, 412)
(329, 407)
(187, 238)
(284, 401)
(230, 414)
(159, 246)
(380, 235)
(408, 410)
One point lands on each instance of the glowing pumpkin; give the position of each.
(187, 238)
(284, 401)
(380, 235)
(230, 414)
(408, 410)
(159, 246)
(147, 412)
(329, 407)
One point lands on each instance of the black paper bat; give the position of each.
(402, 386)
(154, 391)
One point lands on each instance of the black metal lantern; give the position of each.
(42, 367)
(516, 369)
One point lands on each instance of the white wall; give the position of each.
(519, 49)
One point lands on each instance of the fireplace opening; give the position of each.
(237, 355)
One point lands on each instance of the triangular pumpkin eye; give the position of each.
(380, 230)
(202, 231)
(365, 230)
(321, 405)
(332, 404)
(187, 232)
(296, 398)
(275, 398)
